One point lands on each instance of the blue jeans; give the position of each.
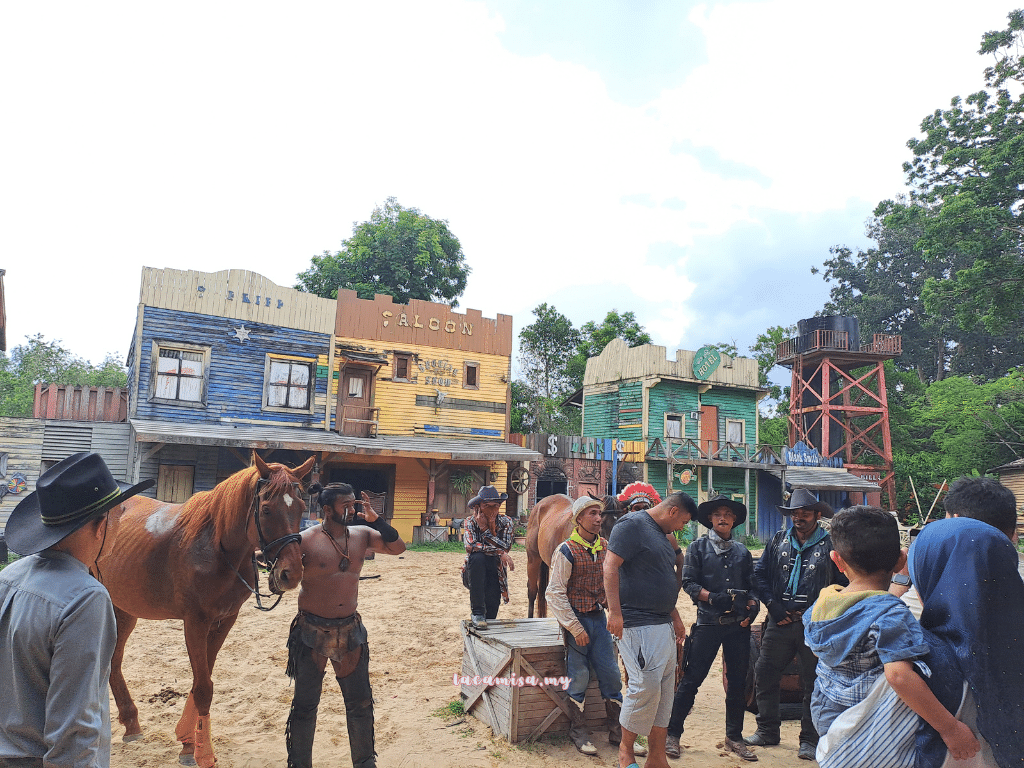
(598, 653)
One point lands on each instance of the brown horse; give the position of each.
(197, 562)
(549, 524)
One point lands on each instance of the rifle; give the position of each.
(683, 654)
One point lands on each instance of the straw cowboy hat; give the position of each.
(68, 495)
(804, 499)
(487, 493)
(704, 510)
(584, 503)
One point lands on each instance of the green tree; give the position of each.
(595, 337)
(400, 252)
(545, 348)
(765, 349)
(968, 175)
(47, 362)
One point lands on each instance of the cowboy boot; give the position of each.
(578, 728)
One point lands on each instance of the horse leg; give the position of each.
(533, 564)
(193, 729)
(127, 712)
(197, 637)
(542, 588)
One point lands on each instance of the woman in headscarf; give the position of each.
(973, 619)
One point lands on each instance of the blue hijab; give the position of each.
(973, 620)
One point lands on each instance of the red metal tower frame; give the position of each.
(838, 402)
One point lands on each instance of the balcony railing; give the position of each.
(682, 450)
(837, 341)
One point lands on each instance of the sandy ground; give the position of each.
(413, 613)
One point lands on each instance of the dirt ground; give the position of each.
(413, 613)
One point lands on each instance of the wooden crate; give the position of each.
(521, 648)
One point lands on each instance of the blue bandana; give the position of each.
(794, 576)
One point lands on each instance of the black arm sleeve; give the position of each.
(387, 533)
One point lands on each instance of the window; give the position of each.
(355, 387)
(733, 431)
(673, 425)
(289, 384)
(470, 375)
(180, 373)
(402, 366)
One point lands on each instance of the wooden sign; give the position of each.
(706, 362)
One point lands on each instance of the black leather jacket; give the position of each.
(772, 572)
(704, 568)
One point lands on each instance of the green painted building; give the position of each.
(697, 415)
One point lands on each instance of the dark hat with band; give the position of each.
(487, 493)
(704, 510)
(67, 496)
(804, 499)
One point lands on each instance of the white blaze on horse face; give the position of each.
(288, 500)
(161, 521)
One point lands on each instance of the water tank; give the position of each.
(805, 330)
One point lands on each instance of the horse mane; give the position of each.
(611, 504)
(228, 505)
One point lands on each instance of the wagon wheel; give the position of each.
(520, 480)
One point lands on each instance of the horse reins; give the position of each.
(265, 561)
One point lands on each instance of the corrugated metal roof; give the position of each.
(823, 479)
(296, 438)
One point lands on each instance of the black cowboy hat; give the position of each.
(704, 510)
(67, 496)
(804, 499)
(487, 493)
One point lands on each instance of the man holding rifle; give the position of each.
(718, 575)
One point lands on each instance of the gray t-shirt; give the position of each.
(648, 586)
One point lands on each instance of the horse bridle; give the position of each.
(269, 553)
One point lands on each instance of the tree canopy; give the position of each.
(948, 268)
(47, 362)
(553, 357)
(399, 251)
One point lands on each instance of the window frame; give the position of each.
(156, 347)
(682, 426)
(466, 365)
(408, 357)
(743, 431)
(310, 386)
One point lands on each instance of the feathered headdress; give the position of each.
(638, 490)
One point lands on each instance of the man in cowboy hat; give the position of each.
(57, 621)
(718, 575)
(488, 539)
(576, 599)
(793, 569)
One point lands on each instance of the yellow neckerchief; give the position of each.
(592, 547)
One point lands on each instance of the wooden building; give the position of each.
(576, 465)
(410, 403)
(697, 416)
(1012, 476)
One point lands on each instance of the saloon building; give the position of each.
(410, 403)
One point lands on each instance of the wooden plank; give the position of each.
(468, 644)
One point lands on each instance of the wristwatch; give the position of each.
(902, 579)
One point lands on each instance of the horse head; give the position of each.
(278, 514)
(610, 514)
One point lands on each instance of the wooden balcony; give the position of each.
(712, 453)
(825, 341)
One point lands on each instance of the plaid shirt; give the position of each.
(477, 540)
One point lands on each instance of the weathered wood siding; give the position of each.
(22, 441)
(237, 294)
(618, 362)
(110, 440)
(411, 408)
(83, 403)
(204, 458)
(738, 405)
(673, 397)
(235, 378)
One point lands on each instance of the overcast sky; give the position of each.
(687, 161)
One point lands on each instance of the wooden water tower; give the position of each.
(838, 403)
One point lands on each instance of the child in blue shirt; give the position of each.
(869, 694)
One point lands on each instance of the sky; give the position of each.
(686, 161)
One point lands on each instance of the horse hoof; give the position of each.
(131, 737)
(184, 759)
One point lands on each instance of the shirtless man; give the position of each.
(328, 626)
